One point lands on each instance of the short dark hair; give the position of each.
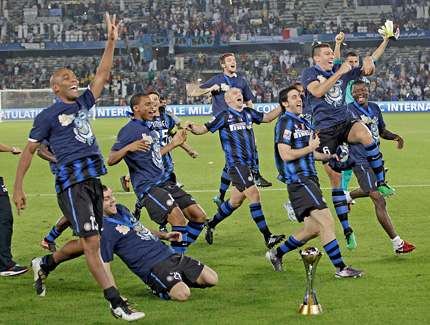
(297, 83)
(224, 56)
(105, 188)
(350, 53)
(135, 100)
(154, 92)
(283, 94)
(358, 82)
(316, 50)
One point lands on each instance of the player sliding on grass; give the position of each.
(66, 126)
(237, 139)
(167, 273)
(295, 146)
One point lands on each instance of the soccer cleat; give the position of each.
(385, 189)
(290, 211)
(348, 197)
(273, 240)
(218, 201)
(136, 210)
(125, 183)
(163, 228)
(276, 261)
(404, 248)
(126, 312)
(209, 236)
(261, 182)
(16, 270)
(51, 246)
(39, 276)
(348, 272)
(350, 241)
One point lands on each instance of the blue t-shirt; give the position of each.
(291, 130)
(225, 83)
(371, 116)
(236, 135)
(146, 168)
(140, 251)
(330, 109)
(68, 131)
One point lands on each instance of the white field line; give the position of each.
(215, 191)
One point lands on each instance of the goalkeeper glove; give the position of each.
(387, 30)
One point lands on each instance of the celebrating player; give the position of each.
(370, 114)
(66, 127)
(295, 146)
(168, 273)
(237, 139)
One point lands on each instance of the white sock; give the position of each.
(397, 241)
(348, 197)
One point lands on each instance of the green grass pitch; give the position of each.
(395, 289)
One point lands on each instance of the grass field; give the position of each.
(395, 289)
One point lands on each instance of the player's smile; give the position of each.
(109, 207)
(360, 93)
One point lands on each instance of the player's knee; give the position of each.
(377, 199)
(181, 293)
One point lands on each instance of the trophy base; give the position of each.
(310, 309)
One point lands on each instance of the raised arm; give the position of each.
(102, 74)
(24, 163)
(339, 39)
(269, 117)
(378, 52)
(198, 92)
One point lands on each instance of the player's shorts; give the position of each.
(182, 198)
(82, 205)
(366, 178)
(159, 203)
(333, 137)
(306, 196)
(174, 269)
(241, 177)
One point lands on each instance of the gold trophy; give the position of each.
(310, 305)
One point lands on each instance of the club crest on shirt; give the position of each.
(82, 129)
(122, 229)
(224, 87)
(321, 79)
(334, 96)
(66, 119)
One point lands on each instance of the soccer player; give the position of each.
(325, 87)
(370, 114)
(235, 127)
(7, 266)
(66, 127)
(354, 61)
(168, 273)
(138, 144)
(217, 86)
(295, 146)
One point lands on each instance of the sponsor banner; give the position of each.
(33, 46)
(203, 110)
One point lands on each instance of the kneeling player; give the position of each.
(168, 274)
(294, 152)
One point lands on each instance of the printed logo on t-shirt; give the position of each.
(287, 134)
(82, 129)
(224, 87)
(334, 96)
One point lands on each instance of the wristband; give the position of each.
(13, 151)
(373, 59)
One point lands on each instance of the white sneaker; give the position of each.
(126, 312)
(349, 199)
(290, 211)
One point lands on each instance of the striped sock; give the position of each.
(257, 160)
(333, 251)
(225, 183)
(374, 157)
(341, 207)
(182, 246)
(193, 231)
(225, 210)
(288, 246)
(53, 235)
(258, 217)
